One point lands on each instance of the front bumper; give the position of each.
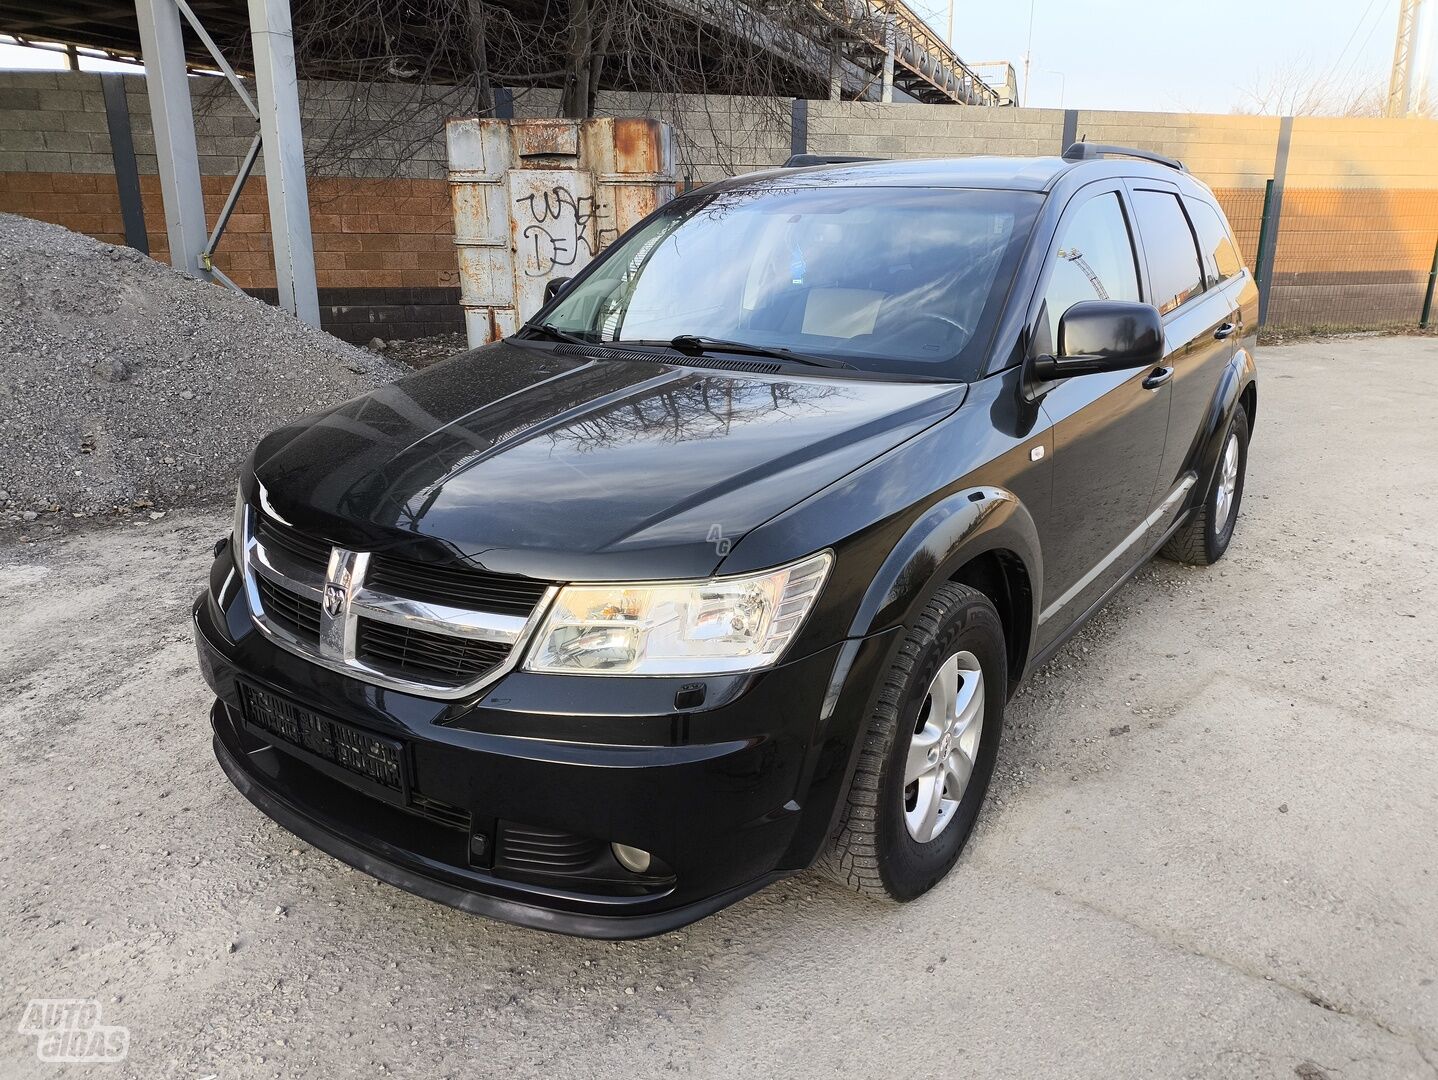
(728, 796)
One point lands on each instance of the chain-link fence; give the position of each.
(1341, 258)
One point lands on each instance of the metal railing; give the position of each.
(891, 41)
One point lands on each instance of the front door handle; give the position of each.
(1224, 330)
(1157, 377)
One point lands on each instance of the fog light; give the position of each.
(635, 860)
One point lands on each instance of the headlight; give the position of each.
(725, 624)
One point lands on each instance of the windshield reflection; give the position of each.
(889, 279)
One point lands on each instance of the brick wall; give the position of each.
(1360, 207)
(384, 253)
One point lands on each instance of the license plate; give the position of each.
(369, 757)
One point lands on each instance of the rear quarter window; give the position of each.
(1173, 264)
(1214, 240)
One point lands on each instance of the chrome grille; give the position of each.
(455, 585)
(435, 631)
(305, 549)
(298, 614)
(419, 654)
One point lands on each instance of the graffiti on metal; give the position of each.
(560, 229)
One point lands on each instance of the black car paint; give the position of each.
(908, 483)
(532, 462)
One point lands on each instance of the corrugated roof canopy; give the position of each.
(110, 25)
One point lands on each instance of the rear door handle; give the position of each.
(1157, 377)
(1224, 330)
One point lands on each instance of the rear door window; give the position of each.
(1092, 259)
(1219, 254)
(1174, 270)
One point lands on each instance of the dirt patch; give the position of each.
(420, 352)
(1239, 885)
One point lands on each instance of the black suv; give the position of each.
(728, 562)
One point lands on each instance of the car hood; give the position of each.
(524, 461)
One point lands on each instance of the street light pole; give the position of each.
(1028, 53)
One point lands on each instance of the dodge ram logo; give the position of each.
(334, 599)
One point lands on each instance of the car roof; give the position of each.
(1008, 173)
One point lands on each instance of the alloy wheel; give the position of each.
(1227, 483)
(944, 747)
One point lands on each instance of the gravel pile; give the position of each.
(126, 386)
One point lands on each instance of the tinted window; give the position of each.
(896, 279)
(1173, 264)
(1213, 240)
(1092, 259)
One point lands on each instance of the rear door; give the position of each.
(1109, 430)
(1181, 239)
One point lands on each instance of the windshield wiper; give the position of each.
(555, 333)
(695, 345)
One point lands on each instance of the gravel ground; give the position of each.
(420, 352)
(125, 385)
(1210, 849)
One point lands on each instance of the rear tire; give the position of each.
(933, 733)
(1206, 535)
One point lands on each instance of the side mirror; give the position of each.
(1103, 335)
(554, 286)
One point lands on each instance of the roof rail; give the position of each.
(799, 161)
(1086, 151)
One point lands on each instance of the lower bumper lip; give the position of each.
(326, 838)
(713, 794)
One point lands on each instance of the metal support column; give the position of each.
(1272, 218)
(886, 94)
(175, 152)
(122, 153)
(279, 105)
(1427, 316)
(1070, 135)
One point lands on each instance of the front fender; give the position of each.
(947, 535)
(950, 533)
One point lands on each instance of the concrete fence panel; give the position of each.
(1353, 246)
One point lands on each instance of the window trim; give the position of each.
(1137, 184)
(1082, 197)
(1219, 281)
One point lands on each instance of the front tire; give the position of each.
(928, 752)
(1206, 535)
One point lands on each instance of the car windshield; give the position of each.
(905, 280)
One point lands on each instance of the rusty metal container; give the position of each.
(538, 199)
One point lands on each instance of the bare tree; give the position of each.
(396, 69)
(1300, 88)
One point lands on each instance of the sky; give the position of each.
(1137, 54)
(1155, 55)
